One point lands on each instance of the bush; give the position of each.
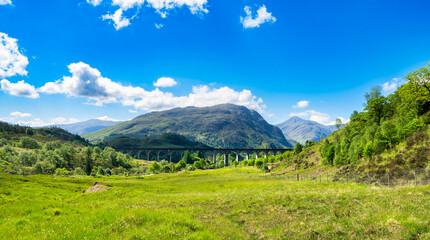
(197, 165)
(79, 171)
(251, 162)
(30, 143)
(164, 162)
(154, 167)
(190, 167)
(3, 142)
(62, 172)
(258, 163)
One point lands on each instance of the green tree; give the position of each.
(388, 131)
(338, 123)
(187, 158)
(298, 148)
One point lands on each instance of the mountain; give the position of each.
(166, 140)
(301, 130)
(226, 126)
(87, 126)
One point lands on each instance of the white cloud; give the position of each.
(251, 21)
(12, 62)
(392, 85)
(20, 89)
(106, 118)
(87, 82)
(20, 114)
(322, 118)
(5, 2)
(119, 21)
(132, 111)
(301, 104)
(94, 2)
(159, 25)
(37, 122)
(165, 82)
(160, 6)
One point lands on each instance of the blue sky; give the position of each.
(102, 58)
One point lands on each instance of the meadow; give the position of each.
(213, 204)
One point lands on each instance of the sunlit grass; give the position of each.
(218, 204)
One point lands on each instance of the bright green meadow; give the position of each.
(213, 204)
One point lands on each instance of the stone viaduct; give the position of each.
(214, 151)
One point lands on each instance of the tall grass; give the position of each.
(218, 204)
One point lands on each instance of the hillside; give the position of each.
(301, 130)
(166, 140)
(225, 125)
(46, 134)
(85, 127)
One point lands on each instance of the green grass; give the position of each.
(219, 204)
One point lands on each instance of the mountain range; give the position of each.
(301, 130)
(222, 126)
(86, 126)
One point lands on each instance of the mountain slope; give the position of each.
(87, 126)
(225, 125)
(301, 130)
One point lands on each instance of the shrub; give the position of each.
(30, 143)
(79, 171)
(154, 167)
(197, 165)
(62, 171)
(164, 162)
(190, 167)
(251, 162)
(3, 142)
(258, 163)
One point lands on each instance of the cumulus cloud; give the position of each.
(392, 85)
(165, 82)
(301, 104)
(5, 2)
(106, 118)
(319, 117)
(160, 6)
(94, 2)
(20, 89)
(87, 82)
(12, 62)
(159, 25)
(119, 21)
(37, 122)
(132, 111)
(252, 21)
(20, 114)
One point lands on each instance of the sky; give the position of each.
(73, 60)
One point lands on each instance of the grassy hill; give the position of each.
(219, 204)
(226, 125)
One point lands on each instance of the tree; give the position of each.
(154, 167)
(88, 160)
(338, 123)
(187, 158)
(298, 148)
(375, 105)
(388, 131)
(420, 79)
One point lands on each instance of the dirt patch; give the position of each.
(180, 172)
(96, 188)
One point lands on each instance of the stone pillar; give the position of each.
(256, 155)
(247, 156)
(237, 156)
(138, 154)
(158, 156)
(214, 157)
(265, 154)
(225, 159)
(147, 155)
(170, 155)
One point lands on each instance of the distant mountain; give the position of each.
(301, 130)
(87, 126)
(225, 125)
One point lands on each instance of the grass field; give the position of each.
(219, 204)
